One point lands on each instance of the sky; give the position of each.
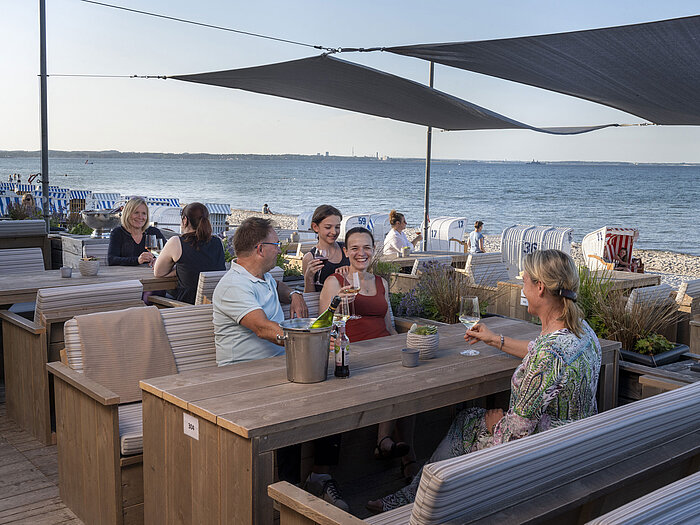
(171, 116)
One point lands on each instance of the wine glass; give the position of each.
(351, 292)
(342, 313)
(469, 315)
(321, 255)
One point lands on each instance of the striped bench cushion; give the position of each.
(206, 285)
(131, 429)
(651, 295)
(190, 331)
(21, 260)
(311, 299)
(83, 297)
(676, 503)
(513, 473)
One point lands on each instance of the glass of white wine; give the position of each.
(469, 315)
(351, 292)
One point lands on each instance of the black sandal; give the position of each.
(408, 477)
(397, 450)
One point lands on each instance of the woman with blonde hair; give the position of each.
(396, 239)
(556, 382)
(127, 242)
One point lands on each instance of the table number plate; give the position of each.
(191, 425)
(523, 299)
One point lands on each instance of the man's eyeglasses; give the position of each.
(278, 243)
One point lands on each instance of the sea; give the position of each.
(661, 201)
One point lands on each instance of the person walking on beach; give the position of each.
(475, 243)
(396, 239)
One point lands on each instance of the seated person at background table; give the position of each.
(396, 239)
(326, 223)
(127, 243)
(246, 315)
(555, 383)
(475, 243)
(190, 253)
(29, 206)
(372, 305)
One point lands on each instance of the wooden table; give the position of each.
(407, 262)
(629, 280)
(243, 413)
(18, 288)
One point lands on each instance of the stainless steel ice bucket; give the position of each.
(307, 350)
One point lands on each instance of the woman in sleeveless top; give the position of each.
(326, 223)
(372, 305)
(195, 251)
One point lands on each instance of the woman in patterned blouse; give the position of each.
(555, 383)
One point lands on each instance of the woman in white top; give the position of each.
(396, 238)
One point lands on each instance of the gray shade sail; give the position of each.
(329, 81)
(651, 70)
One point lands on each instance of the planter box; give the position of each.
(655, 360)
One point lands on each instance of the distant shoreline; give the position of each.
(114, 154)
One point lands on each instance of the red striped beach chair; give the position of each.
(602, 246)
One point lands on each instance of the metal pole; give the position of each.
(44, 116)
(426, 197)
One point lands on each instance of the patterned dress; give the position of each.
(556, 383)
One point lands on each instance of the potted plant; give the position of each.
(89, 266)
(638, 328)
(436, 296)
(424, 338)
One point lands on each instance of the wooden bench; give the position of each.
(100, 441)
(678, 502)
(695, 335)
(205, 291)
(486, 269)
(564, 475)
(21, 260)
(654, 295)
(29, 345)
(26, 234)
(422, 262)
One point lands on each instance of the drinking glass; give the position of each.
(352, 290)
(321, 255)
(469, 315)
(342, 313)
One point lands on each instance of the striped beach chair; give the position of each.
(601, 246)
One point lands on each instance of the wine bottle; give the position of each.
(342, 353)
(326, 318)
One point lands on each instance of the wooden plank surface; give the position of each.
(28, 478)
(255, 398)
(22, 287)
(405, 262)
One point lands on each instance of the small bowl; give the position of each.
(88, 268)
(66, 271)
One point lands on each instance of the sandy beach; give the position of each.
(674, 268)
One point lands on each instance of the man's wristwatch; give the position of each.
(295, 292)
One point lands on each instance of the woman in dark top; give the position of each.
(326, 223)
(192, 252)
(127, 243)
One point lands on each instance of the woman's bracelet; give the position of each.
(502, 341)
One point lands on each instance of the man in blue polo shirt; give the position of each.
(247, 309)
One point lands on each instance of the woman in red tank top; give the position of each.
(372, 302)
(395, 437)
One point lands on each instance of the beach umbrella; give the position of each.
(649, 70)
